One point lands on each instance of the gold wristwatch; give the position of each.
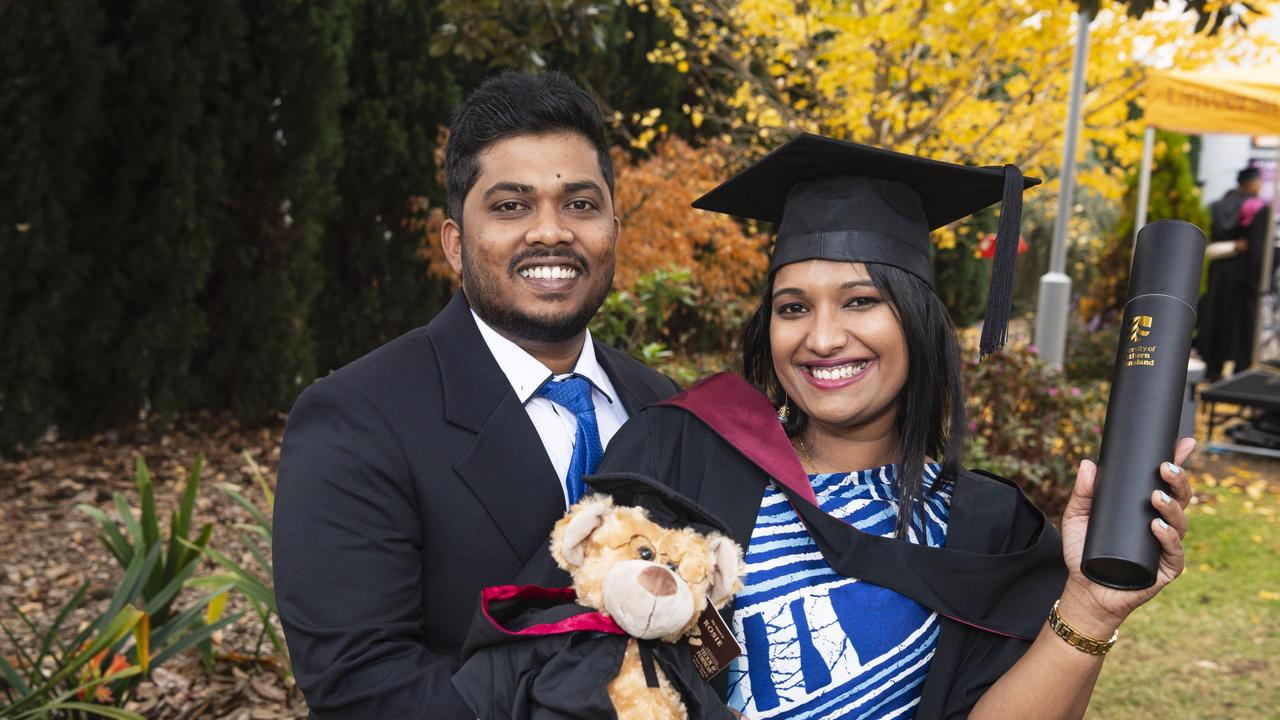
(1075, 638)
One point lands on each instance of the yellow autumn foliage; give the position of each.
(977, 81)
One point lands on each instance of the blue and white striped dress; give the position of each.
(821, 645)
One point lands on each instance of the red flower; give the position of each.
(94, 671)
(118, 663)
(987, 246)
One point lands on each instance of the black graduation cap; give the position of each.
(664, 505)
(838, 200)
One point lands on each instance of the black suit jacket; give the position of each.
(409, 480)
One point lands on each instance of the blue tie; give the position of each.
(574, 395)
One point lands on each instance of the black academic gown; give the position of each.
(1228, 313)
(533, 654)
(993, 584)
(409, 480)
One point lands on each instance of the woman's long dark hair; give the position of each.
(930, 419)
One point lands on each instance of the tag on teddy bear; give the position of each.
(717, 646)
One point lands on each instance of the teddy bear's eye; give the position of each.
(642, 547)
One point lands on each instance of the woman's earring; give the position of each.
(784, 411)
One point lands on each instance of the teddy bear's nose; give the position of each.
(657, 581)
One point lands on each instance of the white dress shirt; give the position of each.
(555, 425)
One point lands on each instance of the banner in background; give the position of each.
(1240, 100)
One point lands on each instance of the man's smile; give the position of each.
(549, 272)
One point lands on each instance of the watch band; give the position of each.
(1075, 638)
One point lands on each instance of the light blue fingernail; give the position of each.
(1173, 468)
(1164, 497)
(1163, 525)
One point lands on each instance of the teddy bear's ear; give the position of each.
(572, 531)
(726, 571)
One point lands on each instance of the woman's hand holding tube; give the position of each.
(1054, 679)
(1097, 610)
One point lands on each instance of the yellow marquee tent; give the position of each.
(1240, 100)
(1244, 100)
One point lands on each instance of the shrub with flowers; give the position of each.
(1031, 424)
(92, 674)
(53, 675)
(97, 671)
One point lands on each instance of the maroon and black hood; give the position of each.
(534, 654)
(513, 613)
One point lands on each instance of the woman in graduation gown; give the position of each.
(882, 579)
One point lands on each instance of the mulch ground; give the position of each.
(48, 548)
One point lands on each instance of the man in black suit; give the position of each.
(436, 465)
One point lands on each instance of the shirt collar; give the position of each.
(526, 374)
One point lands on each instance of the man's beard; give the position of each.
(484, 293)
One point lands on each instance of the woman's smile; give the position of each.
(833, 374)
(842, 341)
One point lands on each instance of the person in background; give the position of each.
(437, 464)
(883, 580)
(1228, 312)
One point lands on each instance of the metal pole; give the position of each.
(1055, 285)
(1144, 181)
(1265, 286)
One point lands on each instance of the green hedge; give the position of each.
(205, 205)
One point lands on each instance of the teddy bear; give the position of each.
(653, 581)
(621, 641)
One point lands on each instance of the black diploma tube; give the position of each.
(1145, 405)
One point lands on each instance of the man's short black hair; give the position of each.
(1248, 174)
(514, 103)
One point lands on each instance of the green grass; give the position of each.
(1209, 645)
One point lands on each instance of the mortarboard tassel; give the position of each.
(995, 324)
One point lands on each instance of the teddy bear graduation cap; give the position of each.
(646, 562)
(838, 200)
(661, 503)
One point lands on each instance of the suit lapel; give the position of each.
(634, 392)
(506, 467)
